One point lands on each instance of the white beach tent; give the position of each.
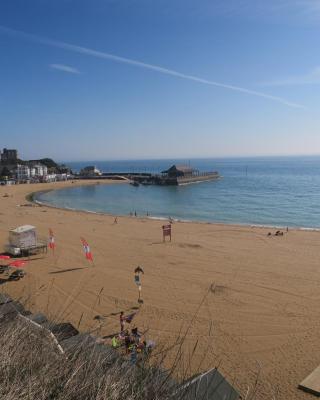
(23, 237)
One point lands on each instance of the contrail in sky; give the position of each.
(112, 57)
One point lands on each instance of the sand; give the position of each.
(262, 313)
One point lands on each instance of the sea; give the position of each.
(266, 191)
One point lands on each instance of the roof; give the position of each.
(11, 309)
(210, 385)
(78, 342)
(186, 169)
(23, 228)
(63, 330)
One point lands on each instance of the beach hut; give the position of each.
(23, 240)
(23, 237)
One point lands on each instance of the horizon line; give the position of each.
(193, 158)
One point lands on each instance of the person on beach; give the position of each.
(135, 335)
(137, 281)
(115, 342)
(127, 341)
(135, 213)
(115, 220)
(122, 321)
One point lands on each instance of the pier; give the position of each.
(175, 175)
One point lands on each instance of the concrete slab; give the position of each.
(311, 383)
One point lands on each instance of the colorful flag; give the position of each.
(51, 240)
(86, 249)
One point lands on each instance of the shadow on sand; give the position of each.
(65, 270)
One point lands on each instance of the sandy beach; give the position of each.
(261, 313)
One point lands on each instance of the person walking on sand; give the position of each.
(137, 281)
(122, 321)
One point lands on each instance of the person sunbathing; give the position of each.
(115, 342)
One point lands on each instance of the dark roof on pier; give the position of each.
(179, 169)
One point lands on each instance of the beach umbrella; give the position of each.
(17, 263)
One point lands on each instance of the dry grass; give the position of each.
(31, 367)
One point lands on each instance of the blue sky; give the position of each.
(129, 79)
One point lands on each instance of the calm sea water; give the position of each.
(265, 191)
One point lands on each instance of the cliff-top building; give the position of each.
(9, 155)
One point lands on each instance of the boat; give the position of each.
(134, 183)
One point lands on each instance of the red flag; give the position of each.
(86, 249)
(51, 240)
(17, 263)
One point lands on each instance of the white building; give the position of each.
(23, 172)
(33, 172)
(90, 171)
(63, 177)
(38, 171)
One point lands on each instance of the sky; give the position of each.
(142, 79)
